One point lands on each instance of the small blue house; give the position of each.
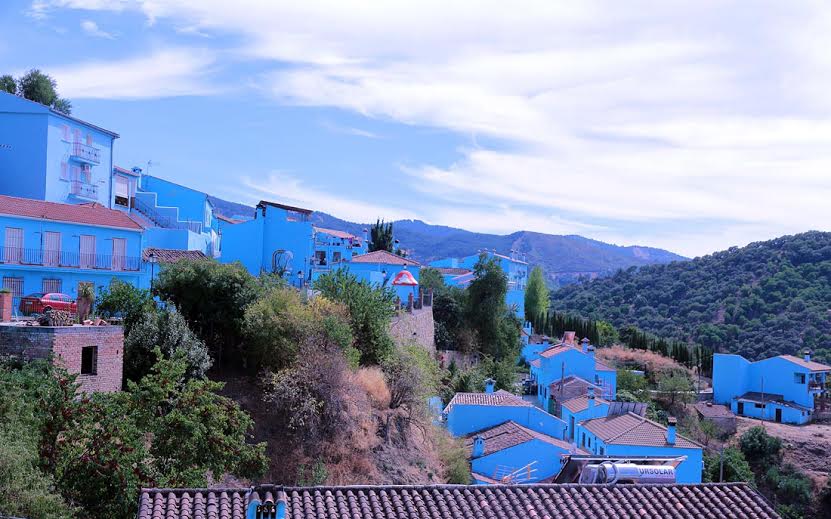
(469, 412)
(334, 249)
(50, 247)
(511, 453)
(50, 156)
(381, 268)
(784, 389)
(568, 359)
(514, 266)
(632, 435)
(582, 408)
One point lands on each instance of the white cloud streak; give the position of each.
(91, 28)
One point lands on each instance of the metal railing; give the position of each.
(86, 152)
(83, 189)
(65, 259)
(165, 222)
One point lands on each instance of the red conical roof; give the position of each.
(405, 279)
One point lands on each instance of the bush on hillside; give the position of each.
(124, 301)
(762, 449)
(735, 467)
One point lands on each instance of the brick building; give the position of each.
(94, 353)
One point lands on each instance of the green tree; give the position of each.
(735, 467)
(370, 312)
(8, 84)
(39, 87)
(125, 301)
(167, 331)
(381, 237)
(676, 388)
(607, 334)
(536, 297)
(212, 297)
(487, 313)
(762, 449)
(431, 279)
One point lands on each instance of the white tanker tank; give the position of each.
(609, 473)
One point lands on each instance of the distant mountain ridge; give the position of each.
(565, 259)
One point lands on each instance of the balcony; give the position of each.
(81, 189)
(68, 260)
(85, 153)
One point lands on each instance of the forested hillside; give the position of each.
(765, 299)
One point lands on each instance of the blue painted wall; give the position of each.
(373, 273)
(573, 363)
(465, 419)
(547, 456)
(599, 410)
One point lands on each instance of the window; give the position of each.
(89, 360)
(76, 135)
(759, 406)
(602, 450)
(320, 257)
(52, 248)
(13, 285)
(799, 378)
(52, 285)
(65, 132)
(122, 191)
(119, 251)
(336, 257)
(13, 249)
(64, 170)
(86, 174)
(89, 139)
(87, 256)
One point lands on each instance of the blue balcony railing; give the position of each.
(65, 259)
(83, 190)
(86, 153)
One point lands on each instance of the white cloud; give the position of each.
(610, 112)
(164, 73)
(91, 28)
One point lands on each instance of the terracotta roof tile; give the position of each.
(453, 271)
(383, 257)
(510, 434)
(172, 255)
(711, 410)
(708, 501)
(337, 234)
(631, 429)
(581, 403)
(88, 214)
(808, 364)
(500, 398)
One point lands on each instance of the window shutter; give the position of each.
(89, 139)
(64, 171)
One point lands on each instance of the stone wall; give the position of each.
(65, 343)
(414, 327)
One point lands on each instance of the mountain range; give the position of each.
(565, 259)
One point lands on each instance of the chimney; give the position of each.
(590, 397)
(671, 423)
(585, 344)
(478, 447)
(807, 356)
(590, 350)
(489, 385)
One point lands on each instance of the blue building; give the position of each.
(783, 389)
(469, 412)
(580, 409)
(632, 435)
(51, 247)
(515, 268)
(382, 268)
(334, 249)
(511, 453)
(173, 216)
(568, 359)
(50, 156)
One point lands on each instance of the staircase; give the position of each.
(146, 204)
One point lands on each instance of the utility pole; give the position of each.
(721, 466)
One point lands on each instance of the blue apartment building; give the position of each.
(46, 155)
(785, 389)
(459, 272)
(50, 247)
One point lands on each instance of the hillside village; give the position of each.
(162, 359)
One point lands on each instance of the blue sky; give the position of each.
(675, 124)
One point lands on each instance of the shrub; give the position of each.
(372, 380)
(736, 467)
(453, 456)
(273, 327)
(167, 331)
(123, 300)
(762, 449)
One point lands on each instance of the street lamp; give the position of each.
(151, 258)
(300, 278)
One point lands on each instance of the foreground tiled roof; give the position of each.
(384, 257)
(88, 214)
(171, 255)
(570, 501)
(337, 234)
(510, 434)
(808, 364)
(631, 429)
(500, 397)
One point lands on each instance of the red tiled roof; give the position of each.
(172, 255)
(537, 363)
(337, 234)
(631, 429)
(500, 398)
(711, 410)
(88, 214)
(125, 171)
(807, 364)
(510, 434)
(383, 257)
(581, 403)
(452, 271)
(599, 366)
(226, 219)
(572, 501)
